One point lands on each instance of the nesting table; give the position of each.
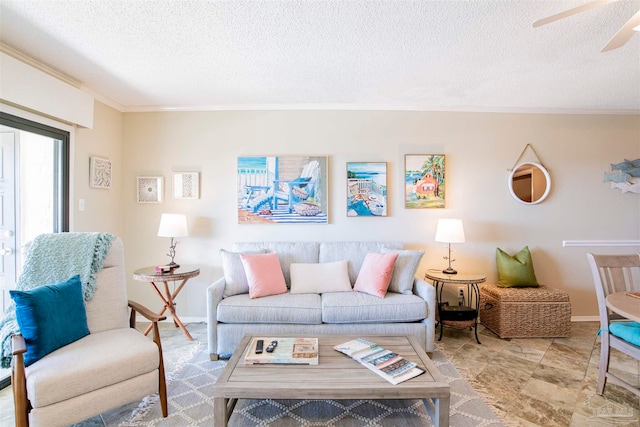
(183, 273)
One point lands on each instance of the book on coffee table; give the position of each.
(287, 351)
(386, 363)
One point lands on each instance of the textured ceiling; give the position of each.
(481, 55)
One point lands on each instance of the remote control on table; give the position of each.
(259, 345)
(272, 346)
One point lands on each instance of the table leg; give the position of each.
(220, 411)
(170, 305)
(476, 289)
(438, 409)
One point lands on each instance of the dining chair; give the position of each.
(614, 273)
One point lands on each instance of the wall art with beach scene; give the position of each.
(424, 181)
(282, 190)
(366, 189)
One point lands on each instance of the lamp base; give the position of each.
(449, 270)
(173, 265)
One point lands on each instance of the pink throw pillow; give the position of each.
(264, 274)
(375, 274)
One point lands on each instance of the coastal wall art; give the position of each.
(99, 173)
(424, 181)
(186, 185)
(282, 190)
(366, 189)
(150, 189)
(625, 176)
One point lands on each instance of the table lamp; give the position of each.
(449, 231)
(173, 225)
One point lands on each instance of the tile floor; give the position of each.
(536, 382)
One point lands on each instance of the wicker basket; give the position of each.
(541, 312)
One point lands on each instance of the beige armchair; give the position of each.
(114, 365)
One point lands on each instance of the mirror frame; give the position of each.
(546, 176)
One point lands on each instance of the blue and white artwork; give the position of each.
(625, 176)
(282, 190)
(366, 189)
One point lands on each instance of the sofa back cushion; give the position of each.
(235, 277)
(288, 252)
(353, 252)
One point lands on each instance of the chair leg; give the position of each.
(20, 401)
(162, 383)
(603, 367)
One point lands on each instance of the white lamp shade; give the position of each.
(173, 225)
(449, 231)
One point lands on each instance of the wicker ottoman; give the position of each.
(541, 312)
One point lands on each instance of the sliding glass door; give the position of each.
(34, 193)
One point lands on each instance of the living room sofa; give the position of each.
(231, 313)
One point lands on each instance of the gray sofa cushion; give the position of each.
(284, 308)
(288, 252)
(356, 307)
(234, 275)
(405, 269)
(354, 252)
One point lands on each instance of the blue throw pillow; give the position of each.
(628, 331)
(50, 317)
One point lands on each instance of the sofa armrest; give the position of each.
(214, 296)
(427, 292)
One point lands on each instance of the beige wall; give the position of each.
(479, 149)
(103, 208)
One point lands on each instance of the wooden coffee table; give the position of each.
(336, 376)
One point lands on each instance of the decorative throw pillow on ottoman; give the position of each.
(516, 270)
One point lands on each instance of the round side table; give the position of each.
(460, 316)
(184, 273)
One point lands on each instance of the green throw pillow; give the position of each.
(515, 271)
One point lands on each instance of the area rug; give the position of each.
(190, 393)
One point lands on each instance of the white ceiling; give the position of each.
(456, 55)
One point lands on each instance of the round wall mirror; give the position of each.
(529, 183)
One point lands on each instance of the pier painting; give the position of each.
(366, 189)
(282, 190)
(424, 181)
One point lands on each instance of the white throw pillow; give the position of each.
(318, 278)
(234, 275)
(405, 269)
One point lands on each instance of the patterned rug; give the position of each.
(191, 403)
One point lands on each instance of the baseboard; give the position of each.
(585, 318)
(187, 319)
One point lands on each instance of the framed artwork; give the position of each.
(366, 189)
(282, 190)
(150, 189)
(424, 181)
(99, 173)
(186, 185)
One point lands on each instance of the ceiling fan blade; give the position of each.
(624, 34)
(570, 12)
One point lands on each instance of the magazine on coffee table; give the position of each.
(386, 363)
(286, 351)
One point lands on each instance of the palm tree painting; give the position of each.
(424, 181)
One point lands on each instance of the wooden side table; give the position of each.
(184, 273)
(457, 316)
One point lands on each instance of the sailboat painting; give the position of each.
(366, 189)
(282, 190)
(424, 181)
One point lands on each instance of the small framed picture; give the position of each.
(99, 173)
(366, 189)
(186, 185)
(150, 189)
(424, 181)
